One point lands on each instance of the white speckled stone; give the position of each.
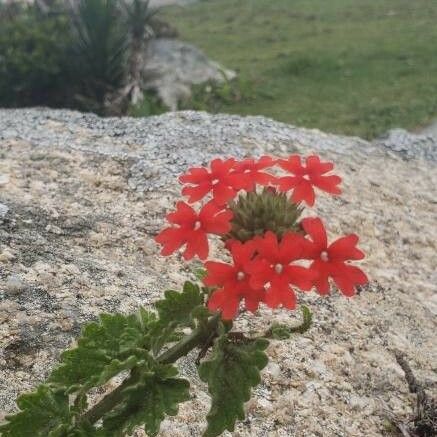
(86, 196)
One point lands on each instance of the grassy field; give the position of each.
(355, 67)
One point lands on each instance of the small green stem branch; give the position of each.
(108, 402)
(188, 343)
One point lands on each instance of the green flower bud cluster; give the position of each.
(256, 213)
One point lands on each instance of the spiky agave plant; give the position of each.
(99, 51)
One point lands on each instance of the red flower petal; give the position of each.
(218, 273)
(242, 253)
(347, 277)
(263, 179)
(314, 165)
(195, 175)
(260, 272)
(316, 230)
(197, 244)
(268, 246)
(265, 161)
(287, 183)
(344, 249)
(327, 183)
(304, 192)
(171, 240)
(272, 298)
(214, 219)
(280, 293)
(300, 276)
(290, 247)
(222, 193)
(253, 298)
(196, 193)
(184, 215)
(220, 168)
(321, 281)
(293, 165)
(228, 303)
(288, 299)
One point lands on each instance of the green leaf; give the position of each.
(231, 373)
(283, 332)
(162, 334)
(114, 343)
(155, 395)
(85, 430)
(200, 273)
(137, 331)
(44, 412)
(177, 307)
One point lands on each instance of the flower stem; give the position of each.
(188, 343)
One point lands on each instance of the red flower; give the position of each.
(249, 174)
(330, 261)
(192, 228)
(273, 269)
(234, 282)
(218, 180)
(305, 177)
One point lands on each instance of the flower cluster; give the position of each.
(267, 267)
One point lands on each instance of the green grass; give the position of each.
(355, 67)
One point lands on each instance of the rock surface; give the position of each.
(86, 195)
(172, 67)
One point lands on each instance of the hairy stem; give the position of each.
(188, 343)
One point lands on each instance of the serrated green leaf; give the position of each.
(136, 332)
(147, 402)
(231, 373)
(44, 412)
(162, 334)
(176, 308)
(107, 347)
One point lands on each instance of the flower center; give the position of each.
(215, 181)
(240, 276)
(306, 177)
(279, 268)
(324, 256)
(197, 225)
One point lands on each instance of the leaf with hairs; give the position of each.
(176, 308)
(44, 412)
(156, 394)
(231, 372)
(116, 342)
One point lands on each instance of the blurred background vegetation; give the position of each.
(357, 67)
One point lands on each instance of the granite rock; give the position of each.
(86, 195)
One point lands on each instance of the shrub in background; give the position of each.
(99, 52)
(85, 55)
(33, 58)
